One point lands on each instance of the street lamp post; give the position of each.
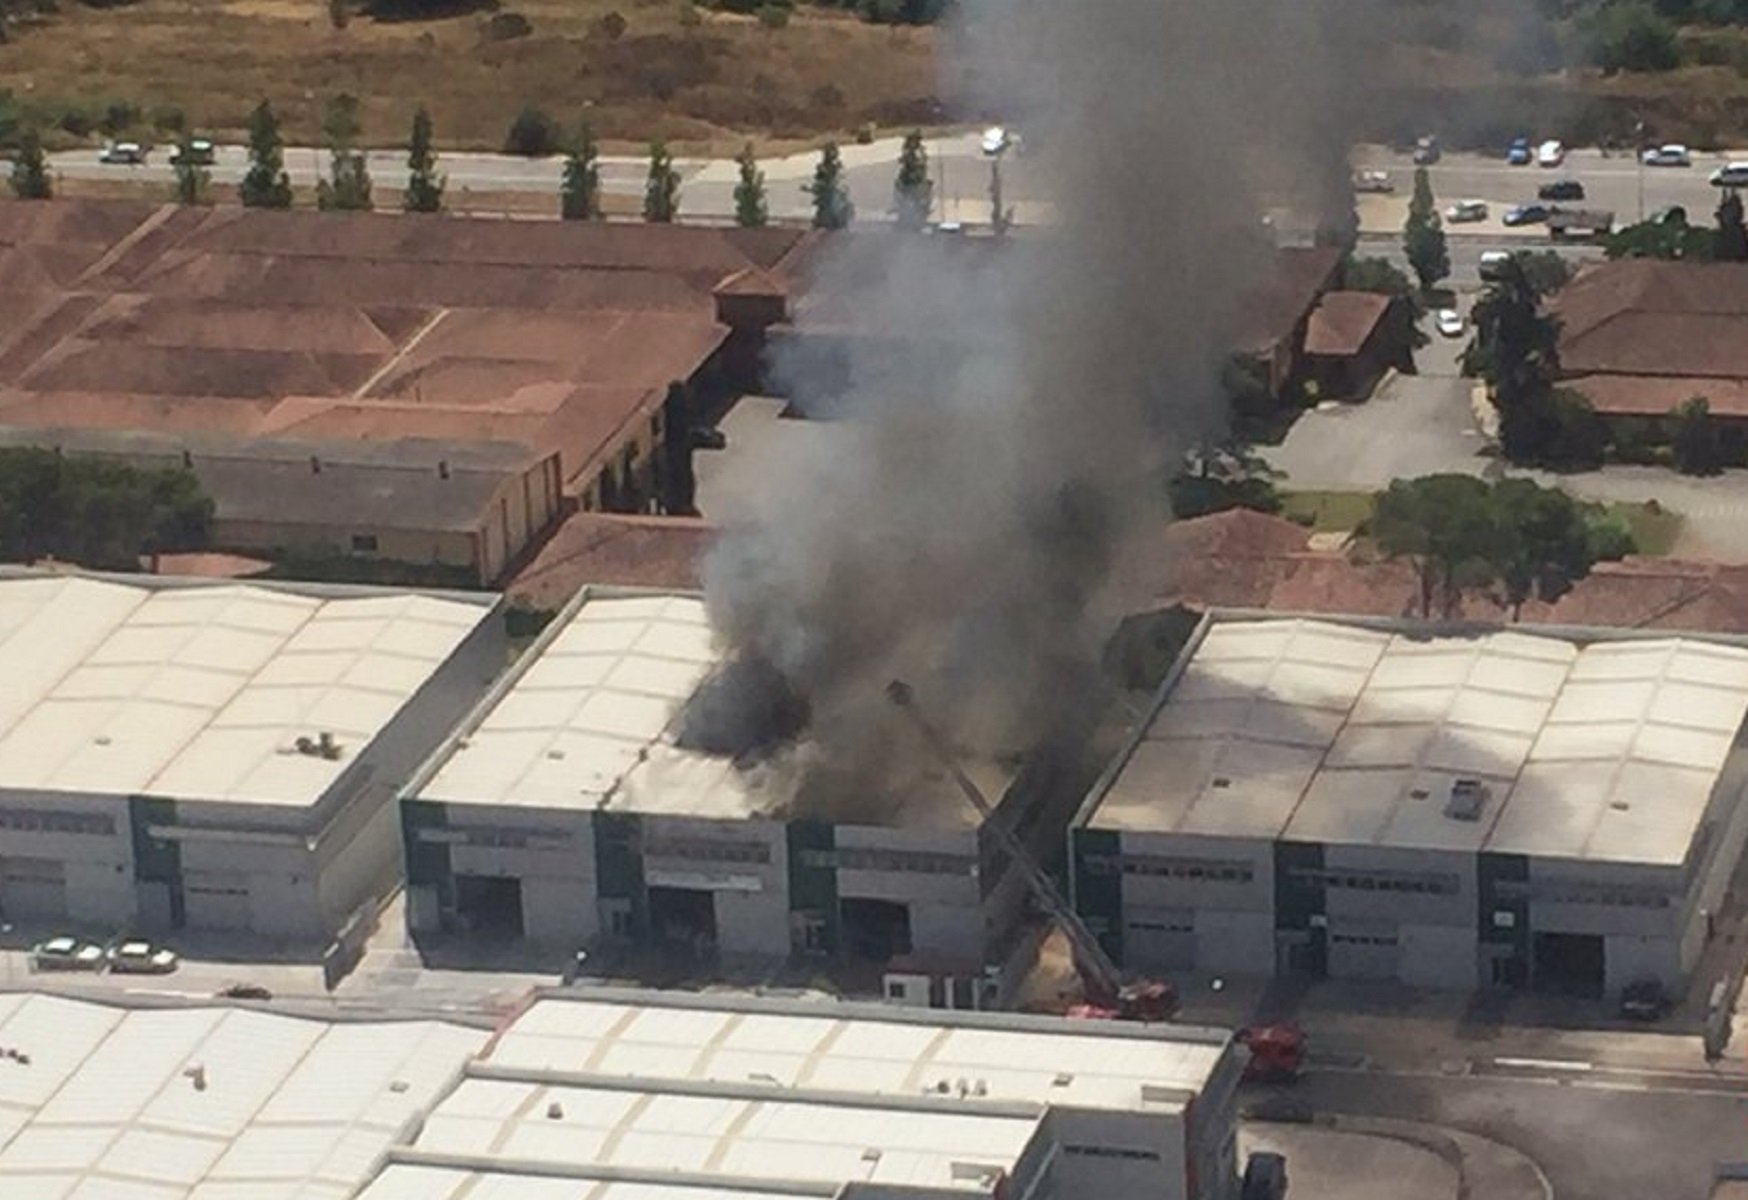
(995, 145)
(1639, 153)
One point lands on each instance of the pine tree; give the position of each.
(1423, 237)
(424, 190)
(1732, 243)
(348, 187)
(750, 209)
(193, 180)
(579, 196)
(831, 198)
(661, 197)
(913, 193)
(266, 185)
(30, 170)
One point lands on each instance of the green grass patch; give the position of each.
(1328, 512)
(1655, 528)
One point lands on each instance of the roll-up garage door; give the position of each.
(33, 889)
(215, 900)
(1160, 938)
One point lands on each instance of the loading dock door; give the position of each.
(33, 889)
(215, 900)
(1160, 939)
(1569, 964)
(1363, 952)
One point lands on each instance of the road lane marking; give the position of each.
(1544, 1064)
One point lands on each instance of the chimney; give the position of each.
(329, 748)
(315, 465)
(443, 468)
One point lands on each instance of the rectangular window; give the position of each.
(364, 543)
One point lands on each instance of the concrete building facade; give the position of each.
(565, 810)
(1370, 799)
(192, 756)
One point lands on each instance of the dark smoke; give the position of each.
(1012, 410)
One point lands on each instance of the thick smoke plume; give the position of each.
(1012, 409)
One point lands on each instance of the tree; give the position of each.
(679, 485)
(30, 170)
(1375, 275)
(1225, 477)
(1630, 35)
(579, 195)
(532, 134)
(95, 511)
(348, 187)
(1669, 238)
(1516, 350)
(661, 195)
(1544, 541)
(1423, 237)
(831, 194)
(913, 193)
(424, 190)
(1444, 525)
(193, 180)
(1695, 439)
(750, 209)
(265, 185)
(1732, 244)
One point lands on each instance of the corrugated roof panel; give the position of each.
(246, 1058)
(59, 1035)
(161, 1157)
(129, 1066)
(124, 1189)
(57, 1148)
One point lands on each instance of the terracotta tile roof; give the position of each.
(1273, 310)
(1648, 317)
(753, 282)
(1655, 593)
(205, 565)
(606, 548)
(1343, 322)
(1642, 396)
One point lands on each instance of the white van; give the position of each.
(1493, 264)
(1733, 174)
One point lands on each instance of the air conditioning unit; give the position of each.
(1468, 797)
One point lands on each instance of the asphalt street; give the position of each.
(957, 165)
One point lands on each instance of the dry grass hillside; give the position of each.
(706, 83)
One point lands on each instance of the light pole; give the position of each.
(995, 144)
(1639, 153)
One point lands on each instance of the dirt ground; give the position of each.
(704, 87)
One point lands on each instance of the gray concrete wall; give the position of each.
(552, 851)
(1232, 920)
(96, 864)
(1112, 1153)
(751, 896)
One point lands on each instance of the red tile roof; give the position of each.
(1343, 322)
(606, 548)
(1649, 317)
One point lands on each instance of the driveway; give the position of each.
(1414, 425)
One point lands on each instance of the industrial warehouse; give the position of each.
(215, 756)
(602, 1092)
(566, 810)
(1373, 799)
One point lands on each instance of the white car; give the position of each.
(1551, 153)
(130, 153)
(66, 953)
(1734, 174)
(136, 956)
(1373, 181)
(1492, 265)
(1450, 322)
(1466, 212)
(1672, 155)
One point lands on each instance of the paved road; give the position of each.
(1466, 252)
(960, 171)
(1612, 183)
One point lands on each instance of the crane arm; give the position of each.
(1088, 953)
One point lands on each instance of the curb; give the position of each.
(1447, 1144)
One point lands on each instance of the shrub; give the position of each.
(1630, 35)
(774, 16)
(532, 134)
(690, 17)
(506, 26)
(611, 26)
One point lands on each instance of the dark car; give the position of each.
(1561, 189)
(244, 991)
(1265, 1177)
(1519, 154)
(1426, 151)
(1644, 1000)
(1526, 214)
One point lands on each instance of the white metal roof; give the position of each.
(200, 693)
(818, 1047)
(1316, 731)
(405, 1181)
(287, 1109)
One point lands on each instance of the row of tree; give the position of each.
(347, 186)
(94, 511)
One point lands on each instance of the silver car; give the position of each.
(136, 956)
(126, 153)
(66, 953)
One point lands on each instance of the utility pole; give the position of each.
(1639, 154)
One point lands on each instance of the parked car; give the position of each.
(1526, 214)
(136, 956)
(1672, 155)
(1669, 214)
(66, 953)
(1426, 151)
(1466, 212)
(1732, 174)
(1551, 153)
(1450, 322)
(1265, 1177)
(1561, 189)
(1518, 154)
(1644, 1000)
(199, 153)
(1372, 181)
(1493, 264)
(129, 153)
(244, 991)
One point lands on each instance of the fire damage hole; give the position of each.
(744, 710)
(489, 904)
(683, 918)
(876, 930)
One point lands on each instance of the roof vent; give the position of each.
(1468, 798)
(101, 739)
(1619, 805)
(1220, 781)
(1419, 793)
(327, 746)
(1063, 1079)
(196, 1074)
(397, 1086)
(871, 1154)
(980, 1087)
(555, 1111)
(555, 754)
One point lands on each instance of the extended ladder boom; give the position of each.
(1088, 954)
